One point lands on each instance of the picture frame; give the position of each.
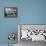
(36, 32)
(10, 12)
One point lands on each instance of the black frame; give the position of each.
(13, 12)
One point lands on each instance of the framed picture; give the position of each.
(10, 12)
(32, 32)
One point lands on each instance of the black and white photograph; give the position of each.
(10, 11)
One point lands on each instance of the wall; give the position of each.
(29, 12)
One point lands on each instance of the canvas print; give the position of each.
(10, 11)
